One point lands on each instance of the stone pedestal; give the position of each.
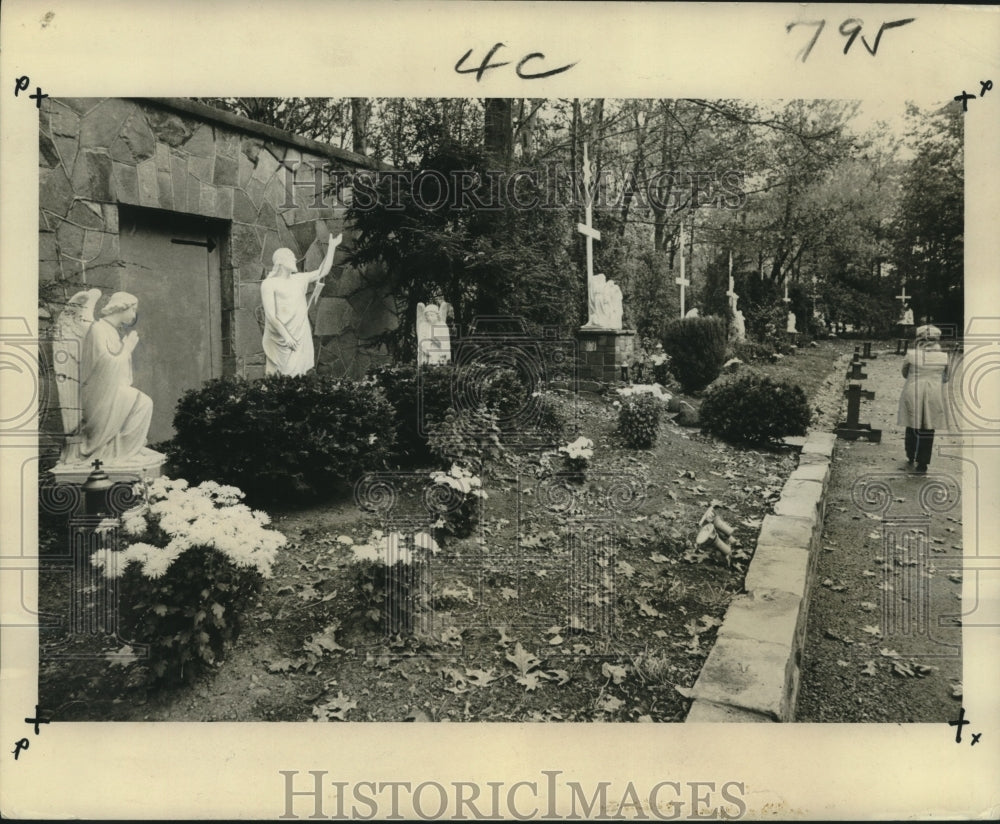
(147, 463)
(603, 353)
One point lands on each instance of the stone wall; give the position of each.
(177, 155)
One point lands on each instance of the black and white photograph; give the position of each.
(543, 417)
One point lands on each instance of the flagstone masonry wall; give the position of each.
(177, 155)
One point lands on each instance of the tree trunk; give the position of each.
(360, 111)
(498, 130)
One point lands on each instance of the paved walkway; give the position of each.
(884, 639)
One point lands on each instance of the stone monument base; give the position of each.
(146, 463)
(603, 353)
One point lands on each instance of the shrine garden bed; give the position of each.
(513, 636)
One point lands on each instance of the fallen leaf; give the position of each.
(614, 672)
(871, 630)
(869, 668)
(555, 640)
(121, 657)
(336, 709)
(624, 568)
(561, 674)
(610, 703)
(956, 690)
(522, 659)
(885, 652)
(324, 641)
(530, 681)
(868, 606)
(685, 691)
(902, 668)
(452, 636)
(657, 558)
(480, 678)
(648, 609)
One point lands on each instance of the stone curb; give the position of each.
(752, 672)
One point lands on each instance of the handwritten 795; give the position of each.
(850, 29)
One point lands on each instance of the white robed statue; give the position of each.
(739, 327)
(604, 303)
(287, 340)
(433, 335)
(105, 416)
(790, 328)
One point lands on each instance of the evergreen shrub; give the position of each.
(697, 350)
(755, 409)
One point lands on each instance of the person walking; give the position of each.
(921, 404)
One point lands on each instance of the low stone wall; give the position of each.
(752, 672)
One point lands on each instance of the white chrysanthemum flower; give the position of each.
(365, 552)
(424, 540)
(346, 540)
(134, 524)
(109, 562)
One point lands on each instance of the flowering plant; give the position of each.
(578, 454)
(197, 558)
(456, 495)
(392, 578)
(645, 389)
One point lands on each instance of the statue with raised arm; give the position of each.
(287, 341)
(433, 335)
(115, 414)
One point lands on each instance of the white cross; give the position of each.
(682, 281)
(786, 299)
(731, 294)
(587, 229)
(903, 297)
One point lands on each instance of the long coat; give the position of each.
(921, 404)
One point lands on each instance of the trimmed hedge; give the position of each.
(755, 409)
(697, 349)
(281, 438)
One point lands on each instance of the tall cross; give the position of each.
(587, 229)
(786, 299)
(682, 281)
(903, 297)
(731, 294)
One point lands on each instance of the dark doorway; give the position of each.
(172, 265)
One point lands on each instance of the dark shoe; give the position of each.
(909, 460)
(921, 469)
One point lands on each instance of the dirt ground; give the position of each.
(514, 636)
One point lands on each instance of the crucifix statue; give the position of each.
(903, 298)
(604, 297)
